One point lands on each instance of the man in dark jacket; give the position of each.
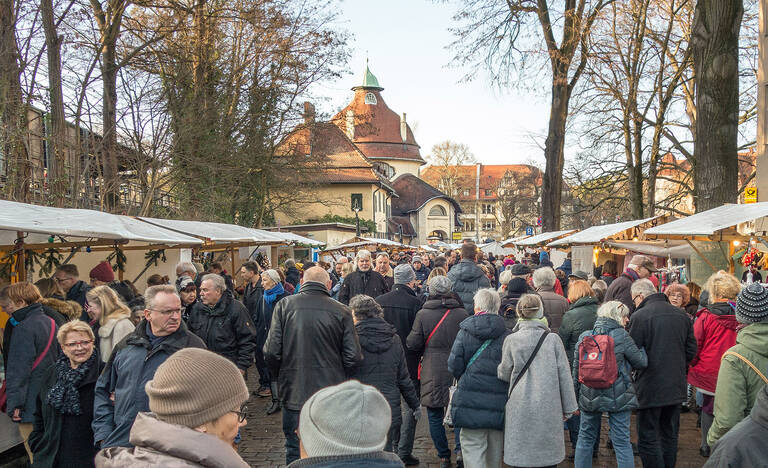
(292, 274)
(218, 269)
(640, 267)
(364, 280)
(253, 300)
(666, 333)
(120, 392)
(223, 323)
(400, 307)
(422, 271)
(516, 287)
(311, 344)
(68, 279)
(467, 277)
(744, 444)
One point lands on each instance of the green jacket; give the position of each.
(579, 318)
(737, 384)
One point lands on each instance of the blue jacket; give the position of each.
(133, 363)
(422, 274)
(621, 396)
(467, 278)
(30, 336)
(479, 400)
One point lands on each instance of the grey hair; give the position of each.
(186, 266)
(363, 253)
(600, 284)
(289, 263)
(529, 306)
(364, 307)
(151, 293)
(642, 287)
(505, 277)
(544, 277)
(382, 254)
(615, 310)
(487, 300)
(217, 280)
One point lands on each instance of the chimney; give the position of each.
(350, 124)
(309, 113)
(403, 128)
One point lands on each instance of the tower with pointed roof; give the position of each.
(382, 135)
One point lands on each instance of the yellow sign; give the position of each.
(456, 236)
(750, 195)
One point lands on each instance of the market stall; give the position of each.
(357, 243)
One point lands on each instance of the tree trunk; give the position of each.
(715, 42)
(552, 184)
(57, 171)
(110, 195)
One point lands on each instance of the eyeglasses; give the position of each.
(241, 415)
(78, 344)
(167, 312)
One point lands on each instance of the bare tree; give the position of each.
(447, 157)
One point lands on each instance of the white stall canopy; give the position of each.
(668, 248)
(597, 234)
(218, 233)
(294, 238)
(543, 238)
(717, 223)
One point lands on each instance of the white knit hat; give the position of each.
(345, 419)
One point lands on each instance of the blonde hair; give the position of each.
(723, 285)
(346, 269)
(111, 305)
(578, 289)
(437, 271)
(75, 326)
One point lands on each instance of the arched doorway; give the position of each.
(437, 235)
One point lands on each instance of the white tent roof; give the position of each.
(428, 248)
(43, 221)
(596, 234)
(366, 242)
(543, 237)
(217, 232)
(513, 240)
(497, 248)
(294, 238)
(709, 222)
(669, 248)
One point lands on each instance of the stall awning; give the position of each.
(77, 225)
(543, 238)
(597, 234)
(713, 222)
(217, 232)
(359, 242)
(668, 248)
(295, 238)
(512, 241)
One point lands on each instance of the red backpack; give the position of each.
(597, 361)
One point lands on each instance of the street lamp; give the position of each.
(356, 209)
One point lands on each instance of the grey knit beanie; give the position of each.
(273, 275)
(404, 274)
(195, 386)
(752, 304)
(345, 419)
(440, 285)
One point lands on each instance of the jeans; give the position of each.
(589, 434)
(573, 424)
(657, 430)
(407, 432)
(482, 448)
(290, 424)
(437, 432)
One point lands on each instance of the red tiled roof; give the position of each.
(490, 177)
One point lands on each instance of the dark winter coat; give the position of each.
(467, 278)
(480, 397)
(372, 460)
(436, 379)
(400, 307)
(715, 332)
(311, 344)
(226, 329)
(422, 274)
(608, 279)
(620, 396)
(383, 365)
(744, 445)
(666, 334)
(293, 276)
(11, 324)
(133, 363)
(77, 293)
(620, 290)
(579, 318)
(252, 300)
(516, 288)
(28, 342)
(555, 307)
(60, 440)
(370, 283)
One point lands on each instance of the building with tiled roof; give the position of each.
(422, 212)
(497, 201)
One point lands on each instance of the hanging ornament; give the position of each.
(50, 239)
(88, 248)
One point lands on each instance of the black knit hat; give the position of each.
(752, 304)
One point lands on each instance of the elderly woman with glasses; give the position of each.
(62, 434)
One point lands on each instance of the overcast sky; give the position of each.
(405, 41)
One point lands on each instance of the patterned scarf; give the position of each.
(64, 395)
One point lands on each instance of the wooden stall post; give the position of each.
(21, 268)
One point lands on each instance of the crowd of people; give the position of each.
(519, 357)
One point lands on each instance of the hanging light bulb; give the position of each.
(736, 243)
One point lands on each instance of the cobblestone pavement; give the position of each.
(262, 444)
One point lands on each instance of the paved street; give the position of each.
(263, 440)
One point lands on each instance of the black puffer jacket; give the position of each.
(253, 299)
(436, 379)
(370, 283)
(226, 329)
(292, 275)
(467, 278)
(621, 396)
(516, 288)
(311, 344)
(383, 365)
(480, 397)
(400, 307)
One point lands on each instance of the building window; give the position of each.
(465, 192)
(468, 226)
(489, 226)
(488, 192)
(370, 98)
(357, 201)
(488, 208)
(437, 210)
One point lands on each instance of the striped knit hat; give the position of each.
(752, 304)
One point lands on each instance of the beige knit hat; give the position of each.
(195, 386)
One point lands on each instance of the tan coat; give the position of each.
(111, 333)
(160, 444)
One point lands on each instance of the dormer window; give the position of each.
(370, 98)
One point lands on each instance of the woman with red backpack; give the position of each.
(603, 360)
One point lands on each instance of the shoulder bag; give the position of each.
(747, 362)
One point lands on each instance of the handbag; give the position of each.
(448, 419)
(3, 394)
(421, 359)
